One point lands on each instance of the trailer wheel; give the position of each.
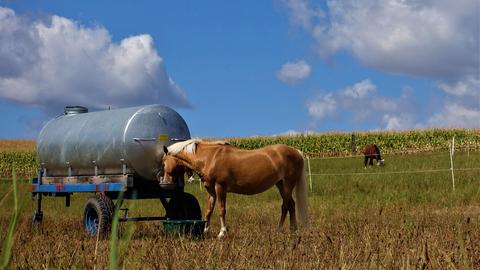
(184, 206)
(98, 214)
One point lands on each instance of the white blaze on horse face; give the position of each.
(168, 170)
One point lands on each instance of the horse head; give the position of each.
(172, 169)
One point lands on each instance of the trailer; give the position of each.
(115, 155)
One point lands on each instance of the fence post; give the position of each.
(468, 149)
(309, 173)
(452, 149)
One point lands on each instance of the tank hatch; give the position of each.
(70, 110)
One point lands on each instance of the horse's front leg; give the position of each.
(212, 197)
(221, 192)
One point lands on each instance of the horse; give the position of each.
(372, 152)
(224, 168)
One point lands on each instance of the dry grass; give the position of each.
(17, 145)
(368, 221)
(394, 237)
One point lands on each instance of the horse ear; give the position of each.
(165, 150)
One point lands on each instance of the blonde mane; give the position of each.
(190, 146)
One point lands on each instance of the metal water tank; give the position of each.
(129, 140)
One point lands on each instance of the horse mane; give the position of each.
(190, 146)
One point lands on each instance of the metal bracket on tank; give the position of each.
(124, 166)
(144, 139)
(44, 169)
(177, 140)
(69, 169)
(95, 167)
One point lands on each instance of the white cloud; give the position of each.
(467, 87)
(360, 89)
(462, 105)
(292, 132)
(293, 72)
(360, 103)
(322, 106)
(301, 13)
(59, 62)
(456, 115)
(398, 122)
(433, 38)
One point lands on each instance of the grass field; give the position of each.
(360, 219)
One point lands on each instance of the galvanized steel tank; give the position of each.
(79, 143)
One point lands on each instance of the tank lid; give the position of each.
(70, 110)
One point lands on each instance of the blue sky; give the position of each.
(245, 68)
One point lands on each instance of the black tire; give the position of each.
(98, 215)
(184, 207)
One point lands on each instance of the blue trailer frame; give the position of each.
(74, 188)
(134, 187)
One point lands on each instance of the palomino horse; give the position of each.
(224, 168)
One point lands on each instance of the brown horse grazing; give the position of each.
(372, 152)
(224, 168)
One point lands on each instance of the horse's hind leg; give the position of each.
(284, 205)
(291, 210)
(289, 202)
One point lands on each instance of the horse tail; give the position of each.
(301, 196)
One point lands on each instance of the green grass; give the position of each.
(369, 220)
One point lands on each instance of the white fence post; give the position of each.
(468, 149)
(452, 149)
(309, 173)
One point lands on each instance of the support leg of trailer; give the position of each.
(67, 200)
(165, 205)
(38, 215)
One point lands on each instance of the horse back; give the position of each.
(270, 162)
(371, 150)
(281, 153)
(277, 153)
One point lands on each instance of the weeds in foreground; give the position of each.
(8, 242)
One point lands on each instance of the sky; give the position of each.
(245, 68)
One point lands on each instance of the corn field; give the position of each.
(345, 144)
(21, 154)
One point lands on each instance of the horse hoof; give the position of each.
(222, 234)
